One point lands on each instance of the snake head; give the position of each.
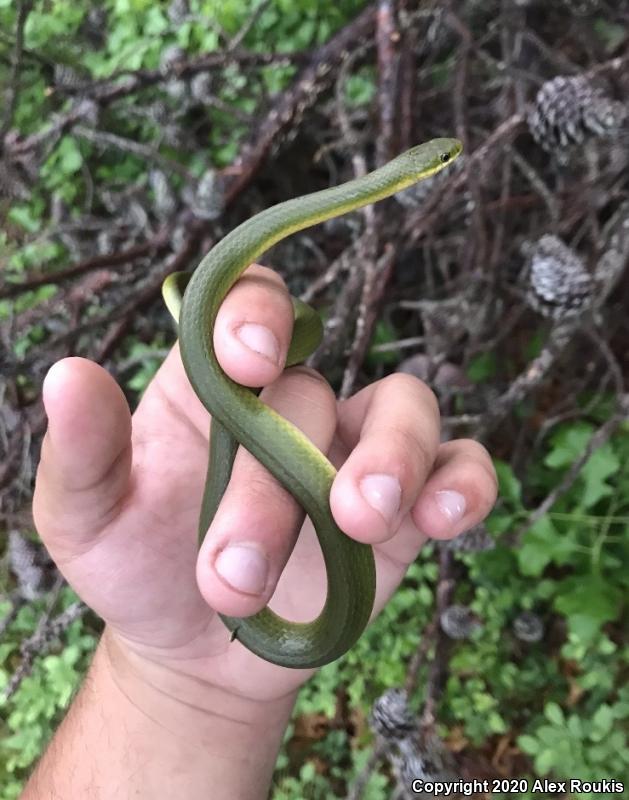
(432, 156)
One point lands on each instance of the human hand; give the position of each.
(117, 504)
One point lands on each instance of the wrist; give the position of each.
(219, 740)
(179, 699)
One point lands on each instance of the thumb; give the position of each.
(83, 473)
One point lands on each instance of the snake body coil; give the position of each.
(238, 416)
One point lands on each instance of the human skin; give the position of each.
(171, 708)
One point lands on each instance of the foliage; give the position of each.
(34, 711)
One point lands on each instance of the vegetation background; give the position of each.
(134, 133)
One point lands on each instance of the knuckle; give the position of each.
(306, 382)
(407, 447)
(476, 459)
(301, 371)
(401, 383)
(483, 491)
(475, 449)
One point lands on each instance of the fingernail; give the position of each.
(259, 339)
(451, 504)
(383, 493)
(244, 568)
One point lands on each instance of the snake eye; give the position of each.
(444, 158)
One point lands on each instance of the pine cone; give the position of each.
(428, 759)
(94, 27)
(164, 201)
(475, 540)
(170, 57)
(459, 622)
(89, 111)
(391, 717)
(11, 183)
(209, 197)
(568, 109)
(201, 87)
(66, 77)
(178, 11)
(27, 562)
(528, 627)
(559, 284)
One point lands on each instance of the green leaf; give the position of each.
(541, 545)
(610, 33)
(602, 722)
(509, 487)
(482, 367)
(360, 89)
(554, 714)
(545, 761)
(588, 601)
(69, 155)
(602, 464)
(528, 744)
(23, 216)
(568, 444)
(384, 333)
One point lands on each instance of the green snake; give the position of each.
(240, 417)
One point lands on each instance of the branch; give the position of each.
(45, 634)
(387, 42)
(439, 665)
(145, 151)
(377, 275)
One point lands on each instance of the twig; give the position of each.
(533, 375)
(537, 182)
(152, 288)
(387, 43)
(399, 344)
(45, 632)
(16, 601)
(438, 667)
(473, 255)
(106, 139)
(374, 284)
(360, 782)
(249, 23)
(615, 369)
(339, 320)
(420, 654)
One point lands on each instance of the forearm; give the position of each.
(123, 737)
